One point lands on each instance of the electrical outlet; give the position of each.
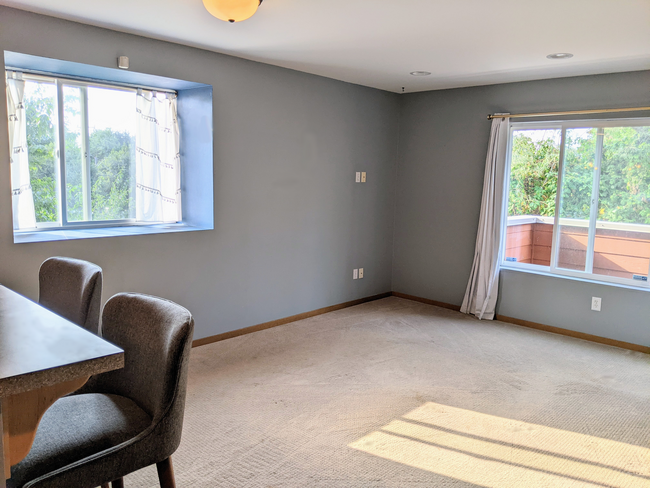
(360, 273)
(358, 177)
(355, 274)
(596, 303)
(363, 177)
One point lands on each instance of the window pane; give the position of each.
(73, 152)
(531, 201)
(622, 244)
(575, 197)
(41, 114)
(111, 121)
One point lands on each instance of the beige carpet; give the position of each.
(395, 393)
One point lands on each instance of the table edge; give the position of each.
(51, 376)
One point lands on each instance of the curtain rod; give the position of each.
(572, 112)
(95, 81)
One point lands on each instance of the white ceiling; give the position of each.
(378, 42)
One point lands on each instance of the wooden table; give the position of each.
(42, 358)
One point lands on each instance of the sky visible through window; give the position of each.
(109, 110)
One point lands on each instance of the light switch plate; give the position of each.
(363, 177)
(358, 177)
(360, 273)
(355, 274)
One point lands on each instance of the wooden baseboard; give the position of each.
(286, 320)
(427, 301)
(502, 318)
(535, 325)
(573, 333)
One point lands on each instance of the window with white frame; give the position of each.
(579, 199)
(87, 154)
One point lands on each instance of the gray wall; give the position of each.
(442, 149)
(290, 223)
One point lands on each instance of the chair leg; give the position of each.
(118, 483)
(166, 473)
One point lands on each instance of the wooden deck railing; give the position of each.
(617, 251)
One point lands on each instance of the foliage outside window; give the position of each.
(81, 144)
(579, 199)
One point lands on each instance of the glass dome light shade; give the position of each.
(232, 10)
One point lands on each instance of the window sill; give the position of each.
(93, 233)
(573, 278)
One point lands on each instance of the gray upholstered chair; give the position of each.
(72, 289)
(123, 420)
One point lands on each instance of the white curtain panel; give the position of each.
(157, 159)
(22, 198)
(482, 289)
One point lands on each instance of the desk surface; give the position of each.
(38, 348)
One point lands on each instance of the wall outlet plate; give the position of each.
(360, 273)
(596, 303)
(363, 177)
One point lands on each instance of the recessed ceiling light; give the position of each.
(420, 73)
(560, 56)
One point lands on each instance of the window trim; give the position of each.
(44, 75)
(553, 269)
(59, 81)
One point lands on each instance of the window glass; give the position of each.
(74, 160)
(623, 250)
(575, 197)
(603, 227)
(99, 126)
(533, 187)
(42, 145)
(111, 124)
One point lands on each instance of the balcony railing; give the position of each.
(621, 250)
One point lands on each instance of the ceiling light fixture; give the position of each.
(232, 10)
(420, 73)
(560, 56)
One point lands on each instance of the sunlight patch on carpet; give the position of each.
(493, 451)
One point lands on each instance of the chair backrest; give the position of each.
(156, 335)
(72, 288)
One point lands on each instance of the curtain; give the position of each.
(22, 197)
(482, 289)
(157, 159)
